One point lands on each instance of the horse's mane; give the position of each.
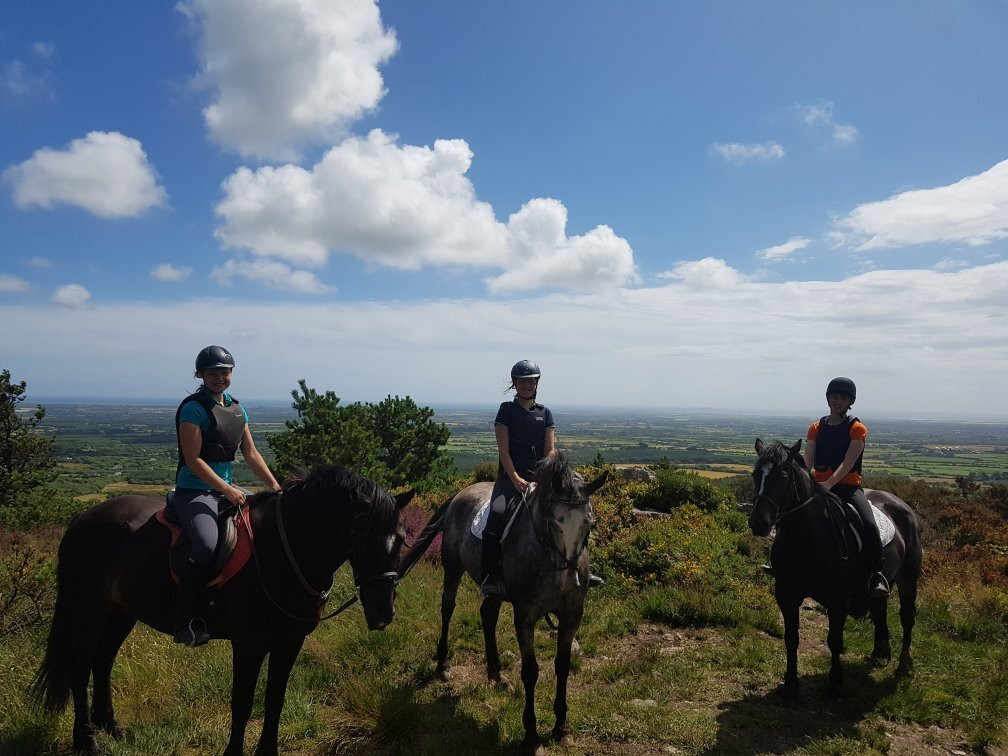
(776, 454)
(327, 481)
(554, 473)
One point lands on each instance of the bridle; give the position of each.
(781, 512)
(320, 596)
(545, 529)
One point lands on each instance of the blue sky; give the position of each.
(664, 204)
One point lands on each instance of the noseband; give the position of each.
(781, 512)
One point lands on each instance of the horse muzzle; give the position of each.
(760, 525)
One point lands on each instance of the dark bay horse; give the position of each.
(113, 571)
(810, 559)
(543, 569)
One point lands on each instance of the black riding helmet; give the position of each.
(842, 386)
(524, 369)
(214, 357)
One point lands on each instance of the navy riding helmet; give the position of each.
(525, 369)
(842, 385)
(214, 357)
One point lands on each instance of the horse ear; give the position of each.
(404, 498)
(796, 449)
(596, 484)
(759, 445)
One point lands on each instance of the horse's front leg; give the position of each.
(525, 630)
(834, 639)
(281, 661)
(565, 637)
(789, 607)
(246, 661)
(489, 614)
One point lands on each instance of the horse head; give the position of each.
(374, 554)
(562, 502)
(777, 476)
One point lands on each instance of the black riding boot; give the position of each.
(878, 586)
(190, 630)
(491, 553)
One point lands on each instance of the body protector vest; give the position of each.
(527, 439)
(227, 425)
(832, 442)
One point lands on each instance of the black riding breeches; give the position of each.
(872, 542)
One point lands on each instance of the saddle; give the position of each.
(483, 513)
(234, 542)
(848, 523)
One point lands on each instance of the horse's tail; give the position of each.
(51, 687)
(425, 539)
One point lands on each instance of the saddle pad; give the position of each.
(886, 527)
(480, 520)
(239, 557)
(483, 513)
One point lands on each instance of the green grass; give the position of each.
(681, 649)
(640, 681)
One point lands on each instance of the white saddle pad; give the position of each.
(480, 520)
(886, 527)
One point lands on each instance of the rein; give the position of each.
(782, 513)
(320, 596)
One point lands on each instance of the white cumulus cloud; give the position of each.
(105, 173)
(783, 251)
(288, 74)
(72, 296)
(12, 284)
(168, 272)
(738, 154)
(819, 115)
(275, 275)
(408, 207)
(972, 211)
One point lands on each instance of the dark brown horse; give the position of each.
(810, 557)
(543, 569)
(113, 571)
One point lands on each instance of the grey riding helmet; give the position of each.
(842, 386)
(525, 369)
(214, 357)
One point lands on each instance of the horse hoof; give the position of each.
(879, 661)
(441, 673)
(563, 737)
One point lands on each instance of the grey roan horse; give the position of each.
(809, 559)
(543, 569)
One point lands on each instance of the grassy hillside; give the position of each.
(680, 651)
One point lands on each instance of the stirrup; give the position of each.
(490, 587)
(878, 586)
(192, 634)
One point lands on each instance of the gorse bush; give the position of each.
(674, 487)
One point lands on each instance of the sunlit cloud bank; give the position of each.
(407, 207)
(972, 211)
(105, 173)
(709, 337)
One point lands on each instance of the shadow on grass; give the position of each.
(770, 723)
(422, 717)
